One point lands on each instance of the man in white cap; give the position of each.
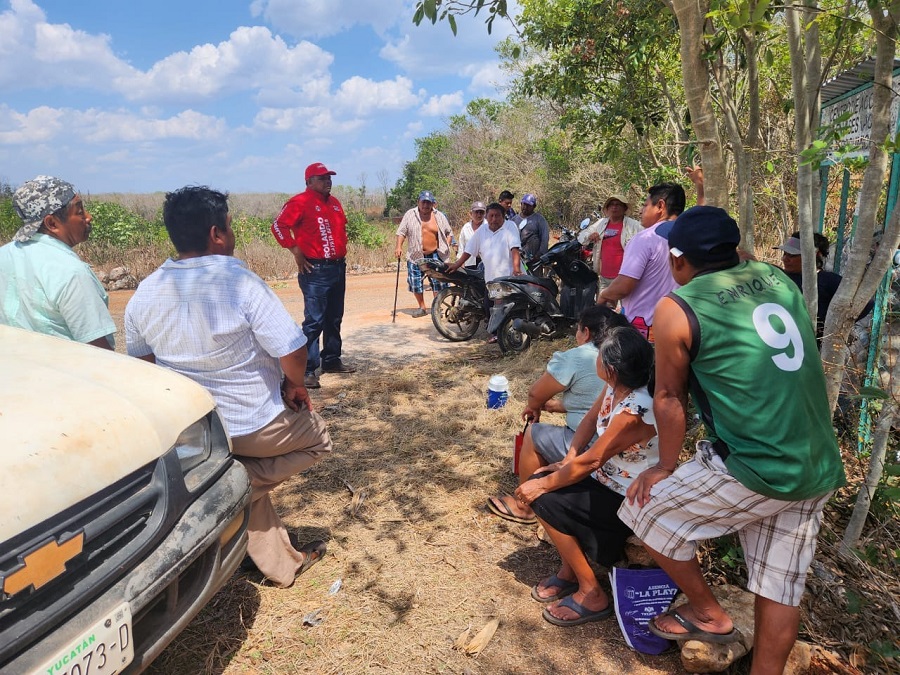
(610, 235)
(44, 286)
(470, 228)
(312, 225)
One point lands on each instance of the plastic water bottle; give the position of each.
(498, 391)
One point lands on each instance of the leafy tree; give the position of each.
(428, 171)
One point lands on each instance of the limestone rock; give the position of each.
(103, 277)
(127, 282)
(636, 553)
(705, 657)
(799, 660)
(117, 273)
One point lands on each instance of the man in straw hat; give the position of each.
(770, 460)
(609, 235)
(44, 286)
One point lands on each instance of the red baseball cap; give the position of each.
(318, 169)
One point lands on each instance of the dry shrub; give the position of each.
(269, 261)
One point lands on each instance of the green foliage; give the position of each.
(251, 228)
(9, 219)
(115, 225)
(428, 171)
(361, 231)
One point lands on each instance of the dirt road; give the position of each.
(367, 330)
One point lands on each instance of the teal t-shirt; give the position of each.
(45, 287)
(757, 378)
(576, 370)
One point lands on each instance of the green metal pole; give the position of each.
(842, 222)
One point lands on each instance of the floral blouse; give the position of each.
(620, 470)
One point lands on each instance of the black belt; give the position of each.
(721, 449)
(326, 261)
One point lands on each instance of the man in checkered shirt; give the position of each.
(208, 317)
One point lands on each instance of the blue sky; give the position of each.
(241, 95)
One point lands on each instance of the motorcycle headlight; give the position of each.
(202, 448)
(497, 290)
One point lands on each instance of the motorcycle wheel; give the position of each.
(510, 340)
(450, 319)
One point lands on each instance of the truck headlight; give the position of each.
(497, 290)
(201, 450)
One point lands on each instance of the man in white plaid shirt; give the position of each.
(208, 317)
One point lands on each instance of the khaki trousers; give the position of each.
(287, 445)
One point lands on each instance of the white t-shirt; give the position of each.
(494, 249)
(466, 234)
(620, 470)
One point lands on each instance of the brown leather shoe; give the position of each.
(337, 367)
(310, 381)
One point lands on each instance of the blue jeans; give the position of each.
(323, 310)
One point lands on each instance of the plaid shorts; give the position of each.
(701, 500)
(415, 280)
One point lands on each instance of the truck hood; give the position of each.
(76, 418)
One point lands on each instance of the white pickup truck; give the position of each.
(122, 510)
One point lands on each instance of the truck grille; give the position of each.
(120, 524)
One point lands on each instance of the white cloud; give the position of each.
(311, 121)
(252, 58)
(445, 104)
(360, 96)
(34, 53)
(487, 78)
(314, 18)
(413, 129)
(45, 124)
(36, 126)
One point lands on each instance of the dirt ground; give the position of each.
(419, 559)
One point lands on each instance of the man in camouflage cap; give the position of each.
(44, 285)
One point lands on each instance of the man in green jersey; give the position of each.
(738, 336)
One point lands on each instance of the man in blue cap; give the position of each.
(533, 228)
(738, 336)
(430, 236)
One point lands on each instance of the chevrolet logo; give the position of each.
(43, 565)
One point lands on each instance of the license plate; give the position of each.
(105, 649)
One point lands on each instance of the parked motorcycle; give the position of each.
(526, 307)
(458, 310)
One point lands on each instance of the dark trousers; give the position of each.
(323, 310)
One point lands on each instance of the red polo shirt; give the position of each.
(315, 224)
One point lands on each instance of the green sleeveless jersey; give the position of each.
(757, 378)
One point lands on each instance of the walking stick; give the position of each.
(396, 293)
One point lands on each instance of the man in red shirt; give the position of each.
(312, 225)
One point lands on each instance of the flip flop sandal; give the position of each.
(693, 632)
(313, 552)
(499, 508)
(585, 615)
(566, 588)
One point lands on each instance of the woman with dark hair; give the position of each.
(572, 375)
(576, 500)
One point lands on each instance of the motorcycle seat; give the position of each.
(540, 281)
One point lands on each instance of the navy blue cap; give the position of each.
(529, 198)
(704, 233)
(426, 196)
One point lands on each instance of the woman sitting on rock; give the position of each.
(576, 499)
(572, 373)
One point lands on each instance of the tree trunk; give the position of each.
(806, 69)
(691, 15)
(864, 273)
(876, 468)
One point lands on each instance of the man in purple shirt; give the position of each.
(645, 277)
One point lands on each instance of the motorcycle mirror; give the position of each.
(584, 223)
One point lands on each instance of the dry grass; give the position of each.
(421, 561)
